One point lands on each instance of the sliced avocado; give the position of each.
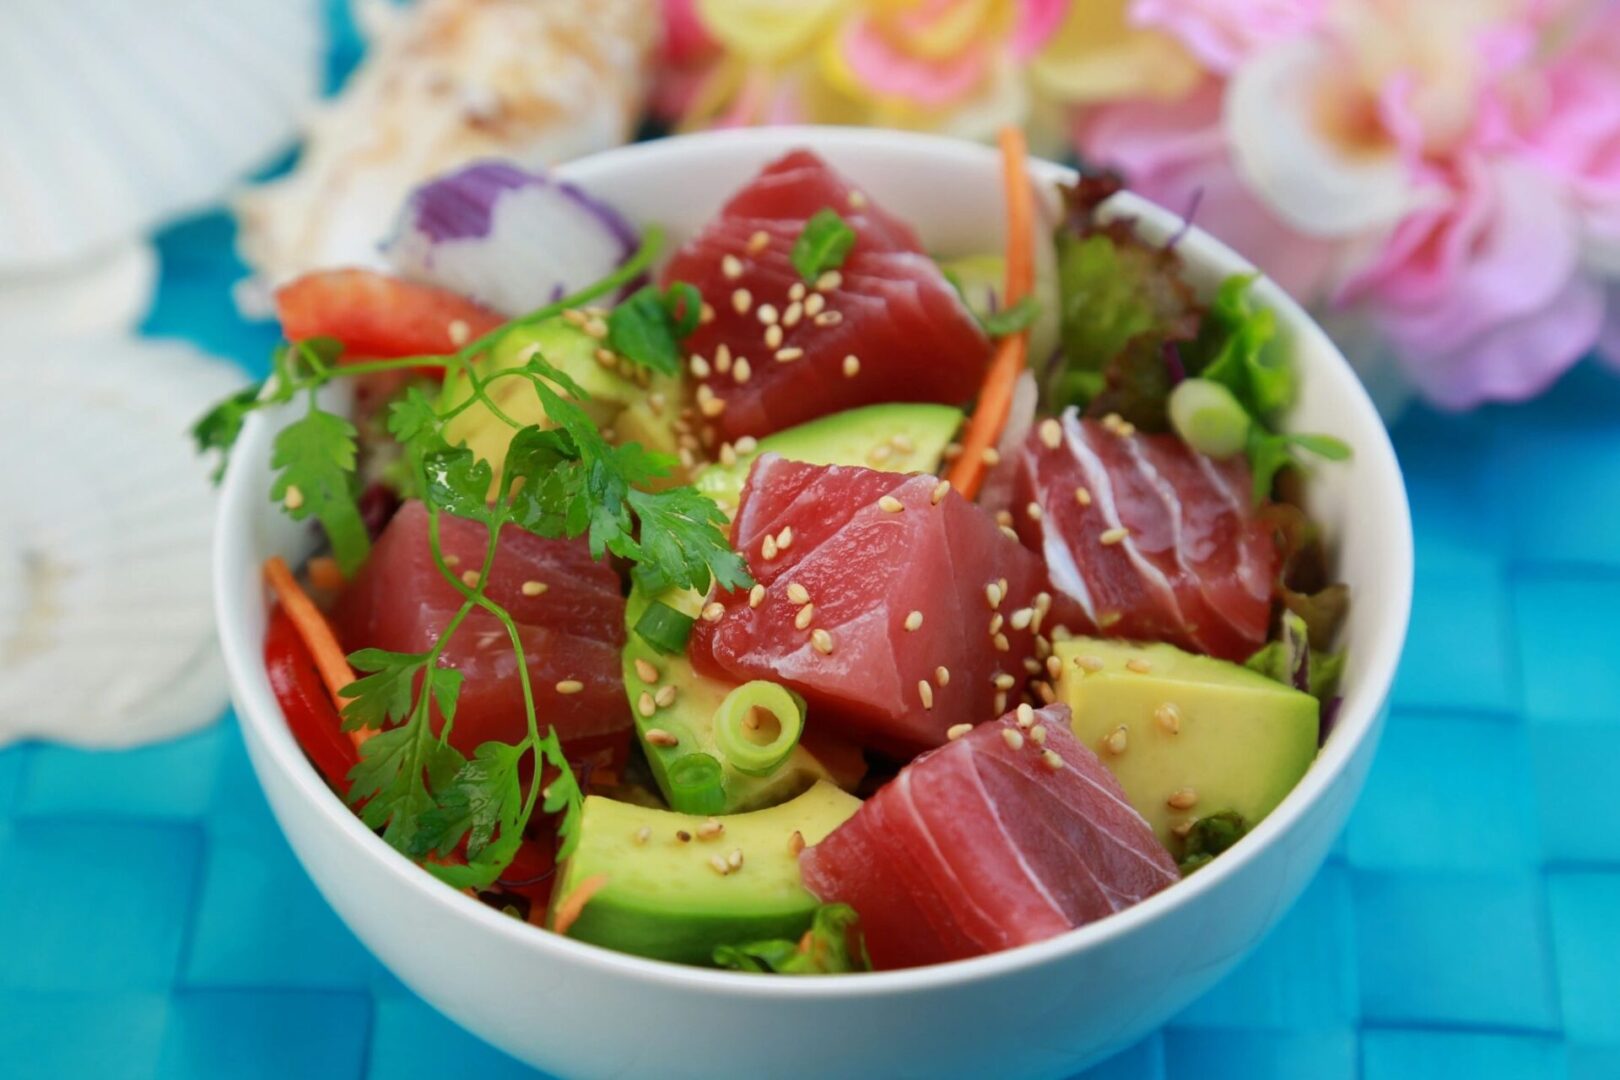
(982, 279)
(674, 899)
(649, 420)
(565, 347)
(690, 718)
(899, 437)
(1216, 736)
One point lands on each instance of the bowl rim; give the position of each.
(257, 707)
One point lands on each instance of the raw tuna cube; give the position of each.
(1011, 834)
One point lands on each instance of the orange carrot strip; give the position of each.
(570, 906)
(324, 573)
(317, 634)
(995, 399)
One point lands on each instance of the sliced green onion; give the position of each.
(697, 784)
(664, 628)
(757, 726)
(1209, 418)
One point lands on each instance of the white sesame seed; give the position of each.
(828, 318)
(735, 859)
(1054, 667)
(459, 332)
(1139, 665)
(643, 834)
(659, 737)
(742, 370)
(795, 842)
(533, 588)
(773, 336)
(294, 498)
(789, 354)
(1044, 691)
(1026, 716)
(759, 242)
(997, 621)
(796, 291)
(1168, 717)
(992, 595)
(956, 731)
(469, 578)
(1013, 738)
(814, 303)
(796, 592)
(914, 621)
(794, 312)
(991, 456)
(1082, 496)
(722, 358)
(1051, 760)
(767, 547)
(1004, 518)
(741, 301)
(665, 696)
(452, 560)
(1009, 532)
(646, 706)
(852, 366)
(926, 693)
(829, 281)
(1051, 434)
(941, 489)
(902, 443)
(570, 686)
(719, 865)
(748, 444)
(1114, 536)
(805, 617)
(728, 454)
(1032, 665)
(710, 829)
(822, 641)
(890, 505)
(879, 454)
(607, 358)
(713, 611)
(574, 316)
(942, 676)
(1185, 799)
(1001, 702)
(705, 313)
(1001, 643)
(1089, 663)
(731, 267)
(596, 328)
(1021, 618)
(1003, 681)
(857, 200)
(1033, 511)
(766, 314)
(756, 596)
(710, 405)
(784, 539)
(646, 671)
(1037, 734)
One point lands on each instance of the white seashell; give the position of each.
(445, 83)
(119, 116)
(106, 626)
(103, 296)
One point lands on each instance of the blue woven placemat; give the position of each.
(154, 923)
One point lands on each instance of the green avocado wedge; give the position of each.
(670, 898)
(899, 437)
(1187, 736)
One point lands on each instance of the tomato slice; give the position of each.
(310, 712)
(378, 316)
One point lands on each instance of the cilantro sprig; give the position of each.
(822, 245)
(564, 480)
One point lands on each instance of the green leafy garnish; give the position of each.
(647, 327)
(1292, 661)
(832, 946)
(218, 429)
(314, 458)
(1209, 837)
(823, 245)
(1237, 347)
(1021, 316)
(1271, 452)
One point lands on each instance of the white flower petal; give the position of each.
(1315, 184)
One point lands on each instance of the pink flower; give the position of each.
(1221, 33)
(1174, 153)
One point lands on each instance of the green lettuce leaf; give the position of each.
(831, 946)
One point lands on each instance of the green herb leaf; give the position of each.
(682, 544)
(315, 459)
(823, 245)
(390, 785)
(1237, 347)
(1270, 452)
(833, 945)
(218, 429)
(643, 329)
(1209, 837)
(458, 483)
(385, 696)
(1021, 316)
(482, 802)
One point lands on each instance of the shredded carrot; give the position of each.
(995, 399)
(570, 906)
(317, 634)
(324, 573)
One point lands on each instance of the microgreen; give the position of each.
(823, 245)
(1021, 316)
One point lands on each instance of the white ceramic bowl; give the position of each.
(1046, 1009)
